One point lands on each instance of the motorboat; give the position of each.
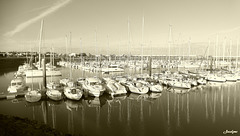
(112, 68)
(150, 83)
(136, 87)
(93, 86)
(193, 82)
(179, 84)
(115, 88)
(121, 79)
(202, 81)
(17, 84)
(80, 81)
(64, 81)
(154, 86)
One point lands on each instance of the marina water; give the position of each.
(205, 110)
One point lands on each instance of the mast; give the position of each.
(224, 46)
(53, 57)
(66, 42)
(142, 46)
(81, 54)
(51, 60)
(209, 42)
(40, 43)
(96, 43)
(128, 40)
(178, 44)
(70, 36)
(189, 42)
(169, 44)
(230, 57)
(81, 51)
(237, 55)
(150, 61)
(216, 51)
(109, 57)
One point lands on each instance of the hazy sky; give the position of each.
(198, 19)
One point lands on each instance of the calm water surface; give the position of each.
(207, 110)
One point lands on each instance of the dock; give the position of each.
(12, 95)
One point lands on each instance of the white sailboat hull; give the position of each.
(73, 96)
(33, 96)
(54, 95)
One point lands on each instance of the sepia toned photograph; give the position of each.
(119, 67)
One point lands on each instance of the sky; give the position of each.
(116, 26)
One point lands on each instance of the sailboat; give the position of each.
(71, 91)
(52, 84)
(39, 72)
(66, 80)
(53, 91)
(81, 79)
(54, 94)
(33, 95)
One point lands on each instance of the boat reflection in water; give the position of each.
(71, 107)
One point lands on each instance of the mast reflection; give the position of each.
(94, 102)
(128, 111)
(178, 113)
(214, 106)
(53, 116)
(234, 100)
(168, 111)
(44, 107)
(72, 106)
(53, 105)
(228, 99)
(188, 116)
(109, 107)
(141, 111)
(222, 102)
(206, 104)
